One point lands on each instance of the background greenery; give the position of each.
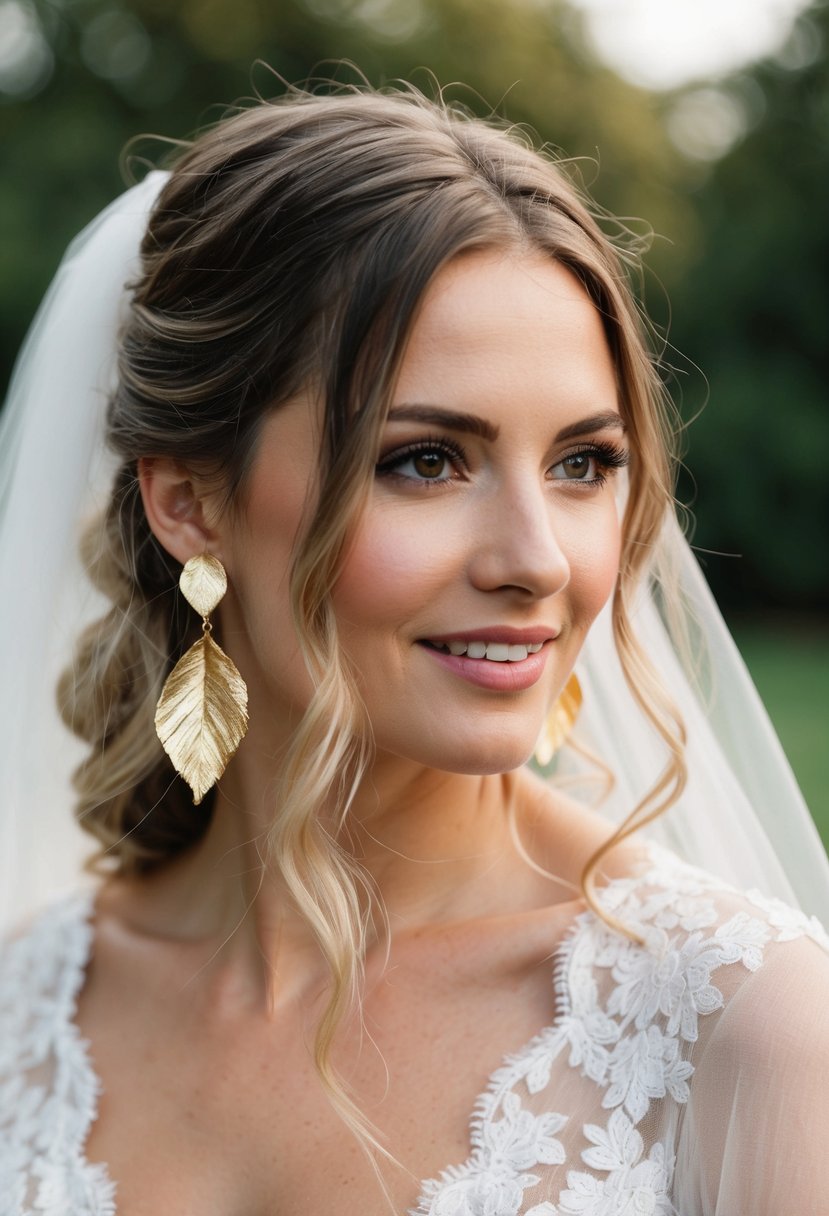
(791, 670)
(733, 176)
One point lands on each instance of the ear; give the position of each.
(178, 508)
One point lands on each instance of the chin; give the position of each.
(482, 757)
(489, 766)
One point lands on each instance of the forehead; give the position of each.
(495, 324)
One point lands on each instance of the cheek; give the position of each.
(393, 568)
(593, 555)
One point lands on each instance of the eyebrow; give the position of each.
(610, 420)
(471, 424)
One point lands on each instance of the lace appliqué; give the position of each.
(496, 1175)
(48, 1090)
(789, 922)
(632, 1187)
(635, 1046)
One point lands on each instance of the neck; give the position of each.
(436, 848)
(424, 838)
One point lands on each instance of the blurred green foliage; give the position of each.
(790, 667)
(752, 309)
(743, 259)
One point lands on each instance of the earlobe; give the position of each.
(175, 510)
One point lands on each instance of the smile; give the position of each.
(498, 665)
(495, 652)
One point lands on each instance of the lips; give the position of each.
(500, 666)
(500, 658)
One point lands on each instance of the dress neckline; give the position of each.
(609, 988)
(80, 907)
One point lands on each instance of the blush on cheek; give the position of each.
(593, 555)
(393, 570)
(606, 571)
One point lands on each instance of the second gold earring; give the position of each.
(559, 722)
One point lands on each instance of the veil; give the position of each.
(55, 474)
(741, 816)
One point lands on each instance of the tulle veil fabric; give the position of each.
(54, 475)
(741, 817)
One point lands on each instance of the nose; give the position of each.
(516, 545)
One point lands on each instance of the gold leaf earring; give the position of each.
(202, 713)
(559, 722)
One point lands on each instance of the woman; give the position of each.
(383, 401)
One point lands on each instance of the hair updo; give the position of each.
(291, 247)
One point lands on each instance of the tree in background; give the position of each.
(752, 309)
(109, 71)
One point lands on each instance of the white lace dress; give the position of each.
(689, 1076)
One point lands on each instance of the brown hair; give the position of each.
(291, 246)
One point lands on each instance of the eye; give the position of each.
(429, 464)
(591, 465)
(579, 467)
(429, 460)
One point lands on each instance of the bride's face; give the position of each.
(490, 540)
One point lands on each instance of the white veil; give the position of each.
(54, 474)
(741, 816)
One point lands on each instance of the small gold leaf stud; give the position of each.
(203, 582)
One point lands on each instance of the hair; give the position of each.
(291, 247)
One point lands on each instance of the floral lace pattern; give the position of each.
(48, 1090)
(632, 1185)
(628, 1017)
(635, 1045)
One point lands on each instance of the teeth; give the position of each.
(496, 652)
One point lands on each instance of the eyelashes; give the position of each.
(439, 460)
(608, 457)
(447, 450)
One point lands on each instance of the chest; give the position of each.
(226, 1115)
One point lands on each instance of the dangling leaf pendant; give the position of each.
(202, 713)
